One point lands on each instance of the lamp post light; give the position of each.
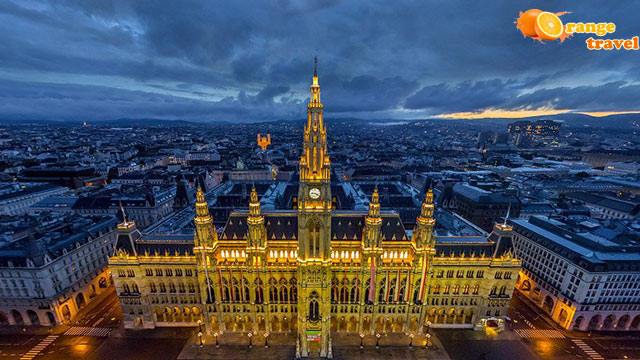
(215, 335)
(200, 333)
(428, 335)
(378, 340)
(250, 334)
(411, 335)
(266, 340)
(361, 340)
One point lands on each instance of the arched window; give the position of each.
(416, 292)
(245, 290)
(392, 290)
(125, 288)
(284, 291)
(355, 291)
(382, 291)
(294, 289)
(403, 290)
(344, 291)
(226, 293)
(152, 287)
(273, 291)
(259, 292)
(314, 308)
(334, 290)
(236, 290)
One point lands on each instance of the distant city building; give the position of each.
(482, 207)
(623, 168)
(526, 132)
(52, 267)
(142, 204)
(16, 198)
(607, 207)
(585, 276)
(71, 177)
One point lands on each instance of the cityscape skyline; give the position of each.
(108, 60)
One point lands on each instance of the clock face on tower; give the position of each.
(314, 193)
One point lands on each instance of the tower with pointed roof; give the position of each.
(257, 235)
(423, 242)
(205, 244)
(314, 230)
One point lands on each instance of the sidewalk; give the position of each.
(61, 328)
(282, 346)
(608, 335)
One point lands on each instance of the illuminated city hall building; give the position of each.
(314, 270)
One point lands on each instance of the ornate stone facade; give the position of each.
(314, 270)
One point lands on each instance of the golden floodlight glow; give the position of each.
(608, 113)
(503, 113)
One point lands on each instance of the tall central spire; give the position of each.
(314, 162)
(315, 86)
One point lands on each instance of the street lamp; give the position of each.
(427, 342)
(378, 340)
(250, 334)
(411, 335)
(361, 340)
(266, 340)
(199, 322)
(215, 335)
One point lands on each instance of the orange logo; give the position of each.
(546, 26)
(541, 25)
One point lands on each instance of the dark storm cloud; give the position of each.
(251, 60)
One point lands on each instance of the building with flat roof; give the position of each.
(52, 266)
(584, 275)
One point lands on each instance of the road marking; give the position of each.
(88, 331)
(587, 349)
(35, 351)
(539, 333)
(529, 324)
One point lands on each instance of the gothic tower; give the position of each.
(257, 236)
(423, 242)
(205, 243)
(314, 232)
(372, 245)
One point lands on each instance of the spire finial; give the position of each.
(200, 195)
(427, 205)
(429, 196)
(375, 196)
(315, 66)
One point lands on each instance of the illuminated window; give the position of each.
(314, 308)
